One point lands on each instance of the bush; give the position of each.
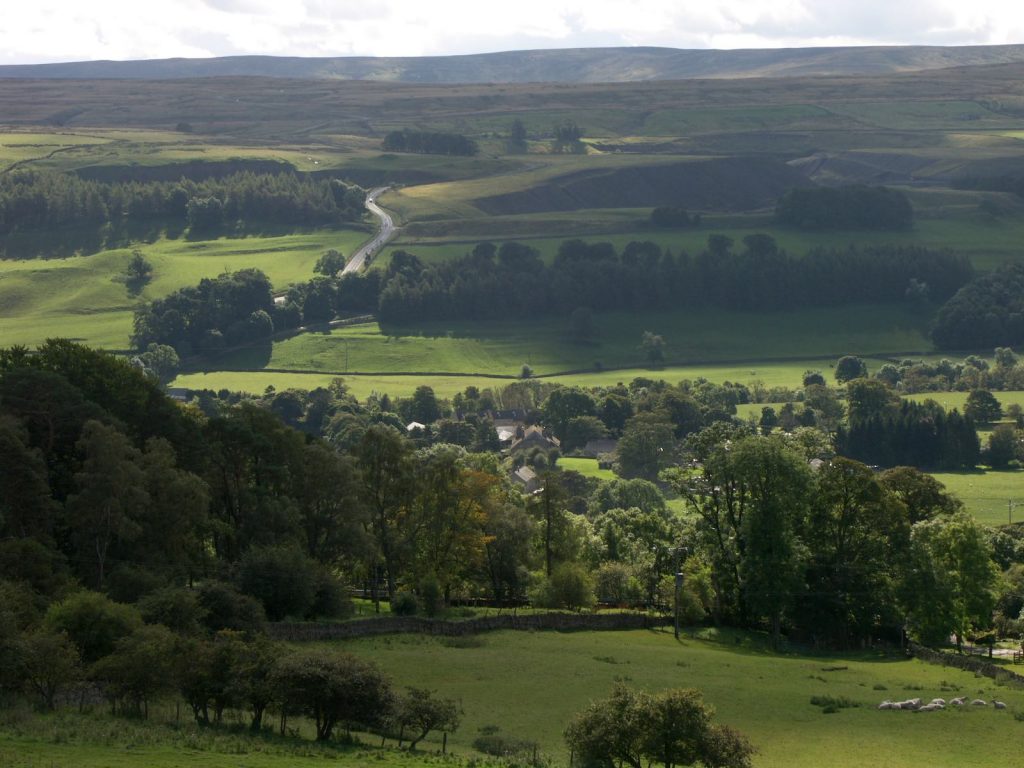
(431, 596)
(504, 746)
(570, 586)
(616, 584)
(130, 583)
(331, 600)
(333, 688)
(93, 622)
(176, 608)
(227, 608)
(45, 664)
(283, 579)
(832, 704)
(140, 668)
(405, 604)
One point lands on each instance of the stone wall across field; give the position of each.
(389, 625)
(968, 663)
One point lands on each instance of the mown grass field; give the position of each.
(586, 467)
(80, 297)
(530, 684)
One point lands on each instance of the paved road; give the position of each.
(384, 234)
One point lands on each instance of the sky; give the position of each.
(36, 31)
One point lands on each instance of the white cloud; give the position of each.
(69, 30)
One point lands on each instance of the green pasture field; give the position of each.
(586, 467)
(79, 297)
(362, 385)
(987, 242)
(453, 199)
(111, 147)
(530, 685)
(985, 493)
(918, 115)
(698, 336)
(22, 146)
(682, 122)
(97, 740)
(950, 400)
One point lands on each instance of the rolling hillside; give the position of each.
(576, 65)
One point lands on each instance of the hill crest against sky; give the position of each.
(575, 65)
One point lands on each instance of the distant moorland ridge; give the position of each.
(573, 65)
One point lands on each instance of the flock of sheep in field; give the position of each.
(917, 705)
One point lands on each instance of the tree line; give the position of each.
(914, 434)
(38, 200)
(986, 312)
(429, 143)
(232, 308)
(850, 207)
(513, 281)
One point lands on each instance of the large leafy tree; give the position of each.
(333, 689)
(856, 532)
(385, 461)
(949, 585)
(110, 501)
(750, 500)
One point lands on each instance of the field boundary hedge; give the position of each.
(311, 631)
(979, 666)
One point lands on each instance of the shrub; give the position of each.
(503, 746)
(405, 604)
(431, 596)
(227, 608)
(330, 599)
(333, 688)
(93, 622)
(832, 704)
(140, 668)
(283, 579)
(570, 586)
(176, 608)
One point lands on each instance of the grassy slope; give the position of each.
(529, 684)
(502, 348)
(69, 740)
(985, 494)
(79, 297)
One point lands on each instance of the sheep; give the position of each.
(885, 705)
(979, 703)
(928, 708)
(998, 705)
(911, 704)
(941, 702)
(957, 702)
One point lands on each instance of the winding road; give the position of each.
(384, 234)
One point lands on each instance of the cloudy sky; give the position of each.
(33, 31)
